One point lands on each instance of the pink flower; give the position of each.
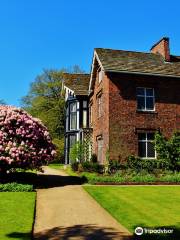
(21, 138)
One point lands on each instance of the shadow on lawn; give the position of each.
(157, 236)
(22, 236)
(43, 180)
(83, 232)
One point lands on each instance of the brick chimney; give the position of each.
(162, 48)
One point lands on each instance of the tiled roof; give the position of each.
(138, 62)
(79, 82)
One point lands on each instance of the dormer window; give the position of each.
(100, 75)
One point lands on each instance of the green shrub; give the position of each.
(175, 177)
(77, 152)
(15, 187)
(143, 178)
(94, 158)
(168, 151)
(114, 166)
(138, 164)
(74, 166)
(92, 167)
(94, 178)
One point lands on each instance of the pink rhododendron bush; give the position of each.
(24, 141)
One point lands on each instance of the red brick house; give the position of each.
(132, 95)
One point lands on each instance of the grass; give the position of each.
(57, 166)
(17, 213)
(132, 206)
(66, 168)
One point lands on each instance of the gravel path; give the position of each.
(67, 212)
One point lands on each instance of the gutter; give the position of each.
(140, 73)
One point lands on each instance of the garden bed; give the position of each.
(139, 183)
(131, 179)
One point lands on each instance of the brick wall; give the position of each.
(100, 125)
(124, 119)
(120, 121)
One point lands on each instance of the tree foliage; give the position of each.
(77, 152)
(45, 100)
(168, 151)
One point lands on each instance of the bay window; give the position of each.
(73, 116)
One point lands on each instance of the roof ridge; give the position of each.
(76, 73)
(124, 50)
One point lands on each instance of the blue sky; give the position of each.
(46, 34)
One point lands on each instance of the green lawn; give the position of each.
(132, 206)
(56, 166)
(66, 168)
(16, 215)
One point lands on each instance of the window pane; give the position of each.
(150, 136)
(150, 150)
(73, 121)
(72, 140)
(73, 107)
(67, 123)
(84, 118)
(100, 75)
(142, 136)
(140, 103)
(84, 104)
(149, 103)
(142, 149)
(149, 92)
(140, 91)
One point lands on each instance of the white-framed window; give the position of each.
(73, 116)
(84, 113)
(100, 75)
(145, 99)
(84, 104)
(146, 146)
(99, 105)
(84, 118)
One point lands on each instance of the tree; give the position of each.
(24, 141)
(45, 101)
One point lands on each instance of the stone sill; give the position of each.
(146, 112)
